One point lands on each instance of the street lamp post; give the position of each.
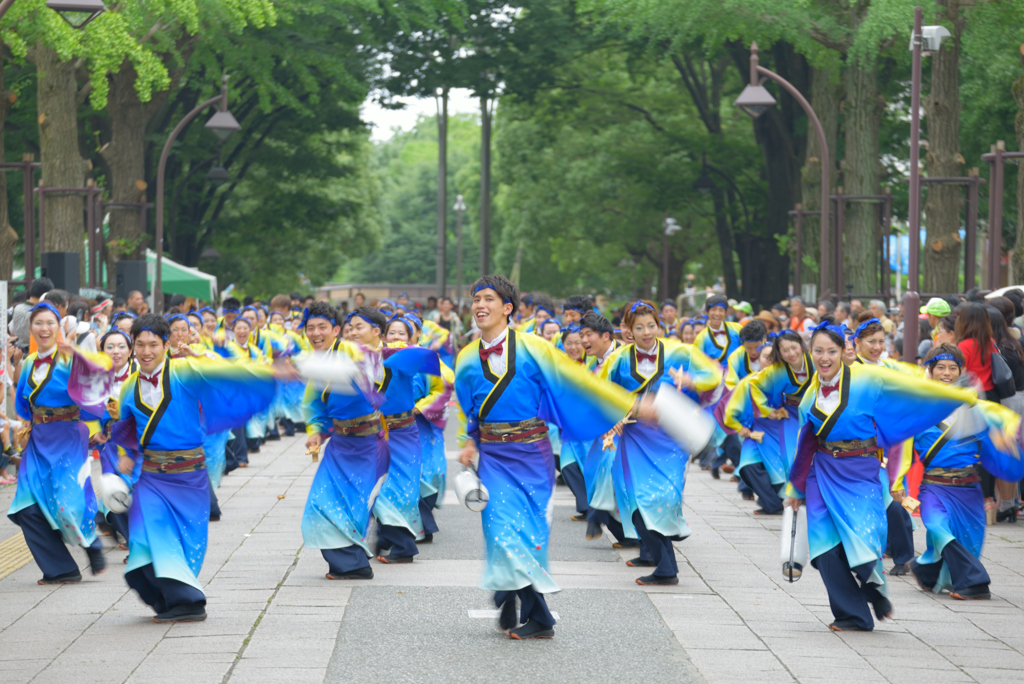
(755, 101)
(459, 207)
(223, 124)
(670, 228)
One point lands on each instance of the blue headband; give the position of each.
(546, 310)
(415, 320)
(863, 326)
(389, 302)
(355, 314)
(641, 304)
(485, 286)
(115, 331)
(574, 328)
(206, 309)
(724, 305)
(234, 311)
(240, 318)
(766, 344)
(123, 314)
(944, 356)
(306, 316)
(45, 306)
(162, 336)
(829, 327)
(574, 308)
(401, 319)
(178, 317)
(251, 308)
(772, 335)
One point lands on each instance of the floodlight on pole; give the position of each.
(77, 13)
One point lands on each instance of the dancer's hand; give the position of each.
(793, 503)
(468, 454)
(897, 495)
(314, 440)
(743, 432)
(125, 464)
(645, 410)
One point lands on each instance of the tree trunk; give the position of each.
(63, 165)
(944, 203)
(826, 92)
(862, 114)
(8, 238)
(1017, 253)
(125, 155)
(442, 190)
(725, 244)
(485, 186)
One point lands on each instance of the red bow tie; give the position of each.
(155, 380)
(825, 391)
(122, 378)
(485, 352)
(640, 357)
(46, 360)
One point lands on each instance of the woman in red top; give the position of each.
(974, 335)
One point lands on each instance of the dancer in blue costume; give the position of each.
(767, 403)
(952, 503)
(720, 338)
(54, 503)
(508, 384)
(650, 468)
(869, 341)
(574, 453)
(166, 410)
(596, 333)
(741, 363)
(397, 508)
(118, 346)
(432, 394)
(848, 414)
(355, 463)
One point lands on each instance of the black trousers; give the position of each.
(849, 592)
(573, 477)
(756, 477)
(532, 605)
(901, 534)
(399, 540)
(605, 518)
(119, 521)
(162, 593)
(427, 504)
(237, 450)
(214, 504)
(659, 546)
(346, 559)
(46, 544)
(965, 571)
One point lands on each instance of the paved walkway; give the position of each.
(274, 618)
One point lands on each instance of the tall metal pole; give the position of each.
(995, 227)
(442, 190)
(459, 207)
(664, 259)
(799, 248)
(912, 300)
(158, 298)
(485, 186)
(826, 163)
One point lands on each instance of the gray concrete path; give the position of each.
(275, 618)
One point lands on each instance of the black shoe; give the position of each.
(67, 578)
(274, 436)
(639, 562)
(97, 562)
(508, 618)
(289, 428)
(186, 612)
(579, 517)
(594, 530)
(253, 444)
(361, 573)
(734, 478)
(559, 480)
(627, 544)
(883, 608)
(898, 570)
(716, 474)
(654, 580)
(761, 511)
(531, 630)
(912, 573)
(103, 527)
(215, 517)
(300, 427)
(392, 559)
(1009, 515)
(748, 497)
(847, 626)
(979, 592)
(427, 539)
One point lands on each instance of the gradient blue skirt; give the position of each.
(598, 475)
(291, 401)
(573, 452)
(845, 506)
(950, 513)
(351, 472)
(55, 473)
(167, 525)
(520, 479)
(653, 474)
(776, 451)
(214, 447)
(399, 502)
(434, 468)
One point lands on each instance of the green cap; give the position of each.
(936, 307)
(744, 307)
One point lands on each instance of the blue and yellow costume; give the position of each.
(719, 348)
(837, 469)
(171, 505)
(650, 468)
(506, 414)
(55, 503)
(433, 393)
